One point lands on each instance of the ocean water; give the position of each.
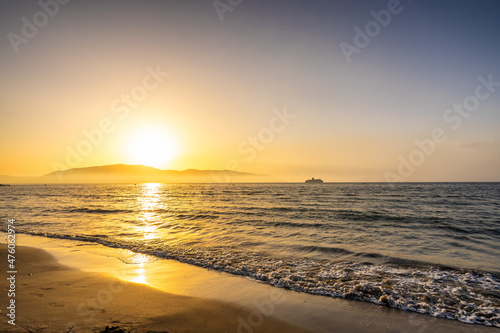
(427, 247)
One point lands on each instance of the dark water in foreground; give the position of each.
(430, 248)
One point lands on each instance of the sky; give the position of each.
(346, 91)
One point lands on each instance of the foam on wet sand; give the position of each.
(59, 298)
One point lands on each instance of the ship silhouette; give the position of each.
(314, 181)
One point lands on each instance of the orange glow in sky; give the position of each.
(171, 85)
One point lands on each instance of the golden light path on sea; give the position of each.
(149, 202)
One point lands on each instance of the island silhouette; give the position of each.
(123, 173)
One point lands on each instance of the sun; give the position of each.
(152, 146)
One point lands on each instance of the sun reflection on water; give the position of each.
(149, 202)
(138, 270)
(140, 276)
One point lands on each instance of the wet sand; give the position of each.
(51, 297)
(73, 290)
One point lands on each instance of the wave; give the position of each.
(89, 210)
(469, 296)
(296, 224)
(329, 250)
(196, 216)
(452, 228)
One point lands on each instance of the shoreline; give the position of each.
(51, 297)
(251, 306)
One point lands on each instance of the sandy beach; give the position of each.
(53, 295)
(54, 298)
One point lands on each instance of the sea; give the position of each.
(431, 248)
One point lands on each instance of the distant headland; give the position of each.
(123, 173)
